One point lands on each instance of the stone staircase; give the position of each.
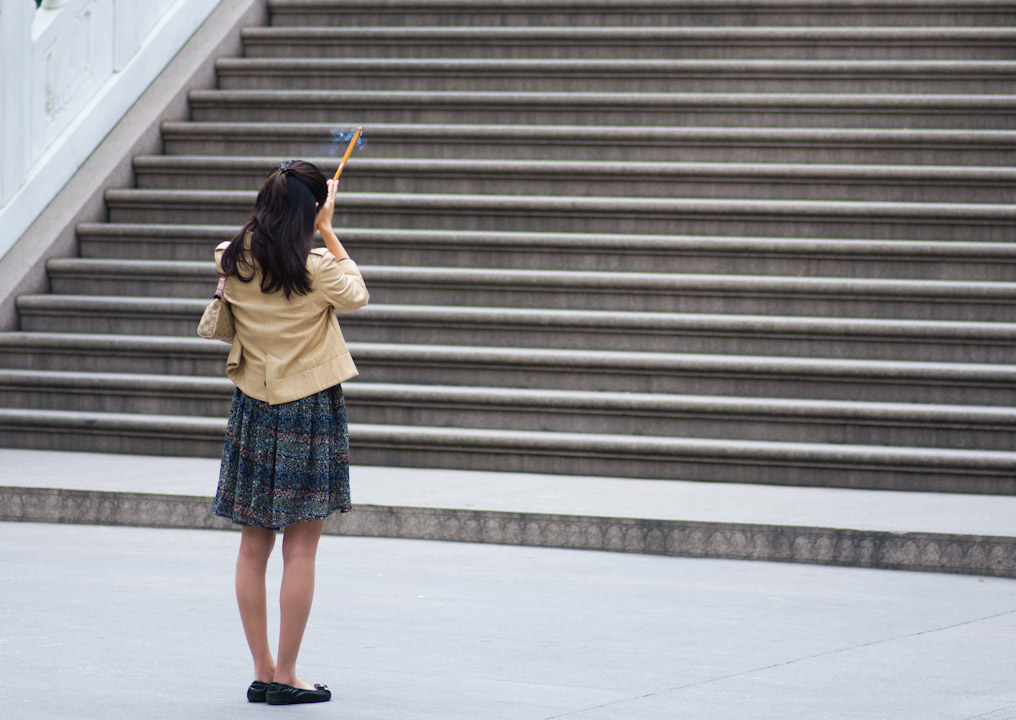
(763, 241)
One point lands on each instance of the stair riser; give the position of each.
(820, 262)
(691, 382)
(703, 301)
(775, 187)
(746, 262)
(528, 15)
(555, 149)
(754, 427)
(436, 217)
(155, 402)
(554, 377)
(354, 113)
(495, 45)
(386, 453)
(102, 441)
(718, 302)
(707, 82)
(362, 328)
(367, 409)
(490, 335)
(151, 363)
(142, 249)
(712, 470)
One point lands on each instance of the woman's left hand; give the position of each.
(323, 220)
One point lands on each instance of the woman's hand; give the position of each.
(323, 221)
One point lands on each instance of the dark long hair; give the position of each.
(281, 228)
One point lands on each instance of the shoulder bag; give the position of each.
(217, 319)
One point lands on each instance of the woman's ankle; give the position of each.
(264, 673)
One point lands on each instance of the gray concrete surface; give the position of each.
(101, 622)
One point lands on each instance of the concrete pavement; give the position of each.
(116, 622)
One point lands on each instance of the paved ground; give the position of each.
(101, 622)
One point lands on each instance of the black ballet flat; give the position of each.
(257, 691)
(279, 694)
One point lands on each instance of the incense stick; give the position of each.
(349, 151)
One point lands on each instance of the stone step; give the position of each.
(931, 532)
(606, 317)
(621, 413)
(616, 75)
(878, 339)
(981, 148)
(690, 216)
(758, 462)
(839, 110)
(628, 42)
(783, 181)
(890, 259)
(104, 353)
(542, 368)
(583, 290)
(583, 13)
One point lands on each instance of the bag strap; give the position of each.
(220, 288)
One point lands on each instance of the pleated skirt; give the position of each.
(284, 464)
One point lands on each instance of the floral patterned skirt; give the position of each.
(285, 463)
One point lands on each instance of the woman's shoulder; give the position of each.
(319, 258)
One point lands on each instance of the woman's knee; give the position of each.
(299, 543)
(256, 543)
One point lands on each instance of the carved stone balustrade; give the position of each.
(68, 72)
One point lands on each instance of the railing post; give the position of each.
(127, 32)
(15, 89)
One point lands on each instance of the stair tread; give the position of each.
(598, 134)
(618, 241)
(917, 101)
(771, 171)
(770, 365)
(346, 7)
(596, 204)
(621, 33)
(604, 280)
(524, 397)
(654, 321)
(596, 5)
(622, 66)
(536, 439)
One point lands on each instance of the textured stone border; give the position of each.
(928, 552)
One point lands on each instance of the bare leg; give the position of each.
(256, 545)
(299, 549)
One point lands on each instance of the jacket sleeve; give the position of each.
(340, 282)
(220, 248)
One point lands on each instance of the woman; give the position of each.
(285, 461)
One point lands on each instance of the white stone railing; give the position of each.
(69, 70)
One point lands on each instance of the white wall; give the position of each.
(68, 73)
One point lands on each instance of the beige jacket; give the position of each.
(285, 350)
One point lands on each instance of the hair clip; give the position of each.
(284, 165)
